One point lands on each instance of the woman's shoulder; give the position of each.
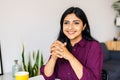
(95, 46)
(94, 43)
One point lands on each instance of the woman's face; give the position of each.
(73, 27)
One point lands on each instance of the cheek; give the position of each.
(78, 28)
(81, 28)
(64, 31)
(64, 28)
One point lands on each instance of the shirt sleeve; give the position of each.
(52, 77)
(93, 68)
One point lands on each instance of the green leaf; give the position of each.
(35, 69)
(42, 61)
(33, 55)
(116, 5)
(36, 65)
(23, 60)
(30, 67)
(37, 59)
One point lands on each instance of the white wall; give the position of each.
(36, 24)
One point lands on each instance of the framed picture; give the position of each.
(1, 66)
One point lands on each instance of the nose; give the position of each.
(70, 26)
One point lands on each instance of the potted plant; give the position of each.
(38, 62)
(116, 6)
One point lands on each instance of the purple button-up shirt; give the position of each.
(89, 54)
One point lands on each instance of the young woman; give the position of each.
(75, 55)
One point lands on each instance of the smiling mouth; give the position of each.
(71, 32)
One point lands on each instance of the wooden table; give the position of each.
(113, 45)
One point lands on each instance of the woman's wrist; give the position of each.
(54, 57)
(70, 57)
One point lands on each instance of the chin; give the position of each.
(71, 38)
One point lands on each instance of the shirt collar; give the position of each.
(82, 42)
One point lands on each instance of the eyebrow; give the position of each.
(73, 20)
(76, 20)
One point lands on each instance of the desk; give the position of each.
(40, 77)
(8, 76)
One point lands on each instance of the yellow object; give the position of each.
(21, 75)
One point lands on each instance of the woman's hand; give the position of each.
(59, 50)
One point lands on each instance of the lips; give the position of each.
(70, 32)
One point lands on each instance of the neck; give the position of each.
(74, 41)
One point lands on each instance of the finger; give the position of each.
(54, 45)
(65, 43)
(59, 43)
(56, 48)
(57, 52)
(57, 55)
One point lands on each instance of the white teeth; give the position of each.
(71, 32)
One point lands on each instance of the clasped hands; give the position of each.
(59, 50)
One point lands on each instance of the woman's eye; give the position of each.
(66, 22)
(76, 22)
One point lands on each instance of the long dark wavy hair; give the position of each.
(85, 33)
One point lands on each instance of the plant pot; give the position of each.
(117, 21)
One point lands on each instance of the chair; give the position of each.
(104, 75)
